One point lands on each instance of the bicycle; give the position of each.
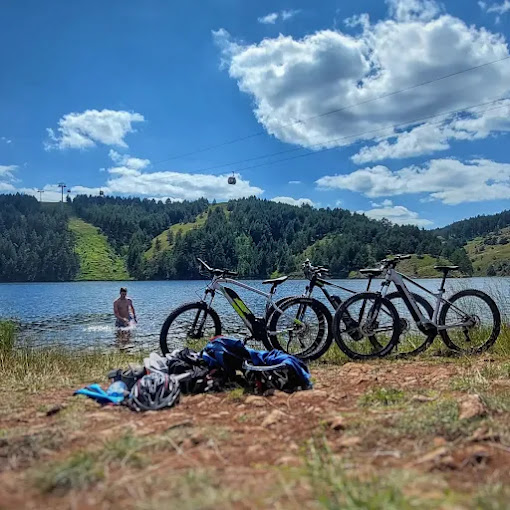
(198, 320)
(371, 348)
(469, 327)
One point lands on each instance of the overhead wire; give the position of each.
(355, 136)
(346, 137)
(336, 110)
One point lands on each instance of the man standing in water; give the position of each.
(123, 309)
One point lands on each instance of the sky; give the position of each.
(398, 108)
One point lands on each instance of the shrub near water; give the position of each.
(7, 337)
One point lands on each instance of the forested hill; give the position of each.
(35, 242)
(255, 237)
(478, 226)
(157, 240)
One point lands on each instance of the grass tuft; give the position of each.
(335, 488)
(382, 397)
(7, 337)
(76, 472)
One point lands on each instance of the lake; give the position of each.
(79, 314)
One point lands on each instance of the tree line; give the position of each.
(481, 225)
(256, 237)
(259, 238)
(35, 242)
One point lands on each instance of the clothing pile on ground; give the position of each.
(223, 364)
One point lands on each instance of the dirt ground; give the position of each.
(406, 434)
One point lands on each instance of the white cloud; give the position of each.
(7, 170)
(7, 177)
(273, 17)
(268, 19)
(497, 8)
(86, 129)
(448, 180)
(290, 13)
(397, 214)
(300, 79)
(293, 201)
(294, 182)
(51, 193)
(128, 177)
(5, 140)
(431, 137)
(413, 10)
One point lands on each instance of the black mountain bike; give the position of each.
(298, 324)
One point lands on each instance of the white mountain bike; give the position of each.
(468, 322)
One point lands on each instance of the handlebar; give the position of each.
(309, 268)
(394, 260)
(216, 272)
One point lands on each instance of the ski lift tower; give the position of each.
(62, 186)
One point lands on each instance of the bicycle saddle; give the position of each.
(371, 271)
(276, 281)
(445, 269)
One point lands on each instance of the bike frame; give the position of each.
(399, 279)
(235, 301)
(317, 281)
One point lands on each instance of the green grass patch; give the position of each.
(76, 472)
(483, 256)
(98, 260)
(85, 468)
(438, 418)
(7, 337)
(382, 397)
(334, 487)
(165, 240)
(30, 370)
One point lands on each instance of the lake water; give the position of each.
(79, 314)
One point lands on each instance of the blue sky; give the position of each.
(125, 95)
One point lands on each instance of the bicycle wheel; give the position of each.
(189, 322)
(366, 326)
(412, 340)
(472, 321)
(302, 328)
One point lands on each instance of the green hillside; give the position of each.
(490, 254)
(98, 261)
(166, 239)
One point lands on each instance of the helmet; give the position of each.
(154, 391)
(280, 377)
(128, 376)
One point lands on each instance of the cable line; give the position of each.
(337, 110)
(346, 137)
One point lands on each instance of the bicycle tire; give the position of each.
(199, 305)
(496, 315)
(341, 315)
(428, 338)
(324, 338)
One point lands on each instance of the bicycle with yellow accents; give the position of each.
(299, 324)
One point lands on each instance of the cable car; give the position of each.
(232, 179)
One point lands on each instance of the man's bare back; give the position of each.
(123, 309)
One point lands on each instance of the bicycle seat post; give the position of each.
(443, 281)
